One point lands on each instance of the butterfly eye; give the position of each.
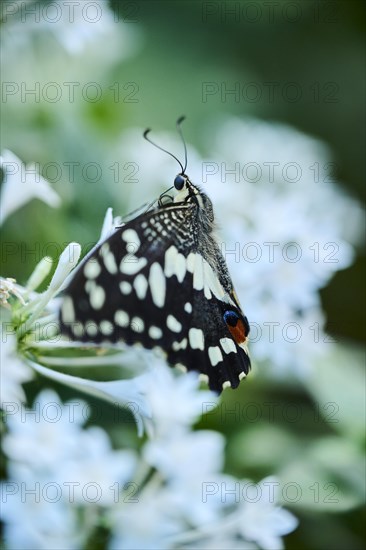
(179, 182)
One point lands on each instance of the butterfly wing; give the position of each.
(208, 343)
(149, 283)
(121, 293)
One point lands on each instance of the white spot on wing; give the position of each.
(106, 327)
(181, 367)
(198, 273)
(180, 345)
(191, 259)
(215, 355)
(92, 269)
(180, 267)
(108, 259)
(226, 384)
(196, 338)
(212, 282)
(130, 236)
(77, 329)
(155, 332)
(188, 307)
(173, 324)
(170, 259)
(97, 297)
(137, 324)
(207, 292)
(91, 328)
(157, 284)
(140, 285)
(174, 263)
(227, 345)
(242, 375)
(125, 287)
(121, 318)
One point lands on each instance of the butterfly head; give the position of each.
(184, 186)
(186, 190)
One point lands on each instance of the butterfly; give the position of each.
(160, 280)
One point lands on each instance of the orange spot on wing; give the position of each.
(238, 332)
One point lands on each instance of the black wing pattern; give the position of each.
(153, 282)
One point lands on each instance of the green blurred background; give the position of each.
(168, 50)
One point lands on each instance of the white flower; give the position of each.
(262, 521)
(35, 523)
(46, 435)
(189, 464)
(177, 457)
(9, 288)
(174, 399)
(66, 263)
(49, 450)
(21, 184)
(200, 498)
(97, 466)
(36, 507)
(82, 25)
(282, 337)
(39, 274)
(108, 227)
(146, 521)
(78, 26)
(127, 393)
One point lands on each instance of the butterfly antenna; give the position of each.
(164, 150)
(179, 128)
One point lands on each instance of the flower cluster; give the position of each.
(66, 483)
(78, 27)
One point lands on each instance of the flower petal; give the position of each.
(22, 184)
(118, 392)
